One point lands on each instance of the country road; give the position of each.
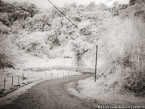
(50, 94)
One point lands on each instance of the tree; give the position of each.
(74, 5)
(92, 5)
(80, 48)
(4, 19)
(133, 2)
(4, 29)
(115, 4)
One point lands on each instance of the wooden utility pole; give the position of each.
(96, 63)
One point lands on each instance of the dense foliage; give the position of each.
(9, 15)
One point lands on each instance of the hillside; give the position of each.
(118, 31)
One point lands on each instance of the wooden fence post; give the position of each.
(18, 80)
(45, 75)
(12, 81)
(28, 74)
(4, 83)
(22, 76)
(51, 75)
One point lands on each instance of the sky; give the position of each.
(46, 4)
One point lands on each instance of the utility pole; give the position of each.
(96, 63)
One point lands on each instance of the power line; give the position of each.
(67, 18)
(81, 33)
(63, 14)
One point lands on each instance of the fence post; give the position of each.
(18, 80)
(45, 75)
(4, 83)
(28, 74)
(22, 76)
(12, 81)
(51, 75)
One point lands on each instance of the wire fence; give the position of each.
(26, 78)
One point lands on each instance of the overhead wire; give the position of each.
(62, 14)
(81, 33)
(67, 18)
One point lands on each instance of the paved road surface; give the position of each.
(50, 95)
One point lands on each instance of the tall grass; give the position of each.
(132, 64)
(125, 46)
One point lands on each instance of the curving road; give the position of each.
(50, 94)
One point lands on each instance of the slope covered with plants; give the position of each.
(118, 31)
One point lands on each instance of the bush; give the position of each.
(135, 82)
